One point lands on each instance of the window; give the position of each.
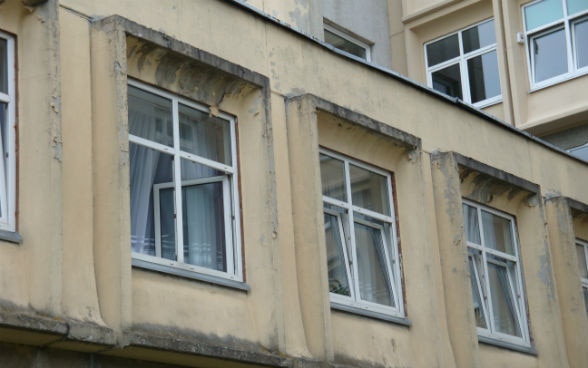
(7, 136)
(580, 152)
(346, 42)
(362, 253)
(183, 191)
(557, 39)
(465, 65)
(582, 249)
(495, 275)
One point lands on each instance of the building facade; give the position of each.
(219, 183)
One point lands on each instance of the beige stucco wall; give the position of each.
(73, 165)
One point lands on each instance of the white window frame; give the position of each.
(483, 283)
(462, 60)
(230, 192)
(8, 161)
(328, 26)
(584, 280)
(393, 262)
(566, 23)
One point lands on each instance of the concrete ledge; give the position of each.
(31, 327)
(174, 340)
(400, 137)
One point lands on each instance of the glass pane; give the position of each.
(375, 284)
(344, 44)
(549, 55)
(581, 43)
(475, 280)
(167, 222)
(205, 242)
(4, 138)
(205, 135)
(150, 116)
(479, 36)
(472, 227)
(448, 81)
(445, 49)
(503, 305)
(581, 256)
(497, 233)
(576, 6)
(483, 76)
(542, 12)
(333, 177)
(147, 168)
(338, 277)
(369, 190)
(3, 66)
(586, 299)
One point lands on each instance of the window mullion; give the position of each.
(177, 176)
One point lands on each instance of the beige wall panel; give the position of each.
(38, 263)
(80, 298)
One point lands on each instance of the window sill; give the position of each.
(403, 321)
(10, 236)
(530, 350)
(215, 280)
(558, 80)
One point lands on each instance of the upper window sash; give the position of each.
(346, 42)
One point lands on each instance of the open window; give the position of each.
(495, 274)
(183, 176)
(362, 254)
(557, 40)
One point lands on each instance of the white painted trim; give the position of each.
(8, 171)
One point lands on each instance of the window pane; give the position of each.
(483, 76)
(333, 177)
(369, 190)
(586, 299)
(478, 36)
(582, 268)
(203, 216)
(576, 6)
(3, 66)
(374, 280)
(338, 277)
(503, 305)
(475, 281)
(472, 227)
(542, 12)
(150, 116)
(147, 168)
(205, 135)
(448, 81)
(167, 223)
(497, 233)
(344, 44)
(5, 154)
(550, 55)
(581, 43)
(445, 49)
